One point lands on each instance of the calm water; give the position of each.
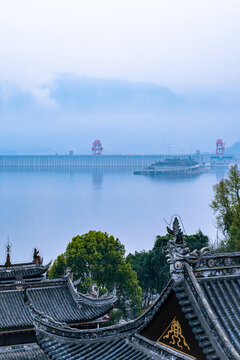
(46, 209)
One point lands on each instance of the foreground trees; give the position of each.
(226, 205)
(98, 258)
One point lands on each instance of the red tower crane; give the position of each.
(220, 147)
(97, 148)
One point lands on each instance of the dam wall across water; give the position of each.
(83, 161)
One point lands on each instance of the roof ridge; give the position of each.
(32, 283)
(30, 263)
(57, 329)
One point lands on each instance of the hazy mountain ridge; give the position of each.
(234, 149)
(91, 94)
(72, 111)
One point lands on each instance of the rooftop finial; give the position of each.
(176, 231)
(8, 250)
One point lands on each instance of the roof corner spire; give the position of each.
(8, 251)
(178, 253)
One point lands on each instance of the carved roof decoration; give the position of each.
(36, 257)
(178, 252)
(203, 296)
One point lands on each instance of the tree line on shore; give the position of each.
(99, 259)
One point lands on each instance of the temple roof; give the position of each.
(197, 316)
(33, 270)
(124, 341)
(25, 271)
(57, 298)
(60, 342)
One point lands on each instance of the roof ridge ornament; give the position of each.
(68, 273)
(178, 252)
(37, 259)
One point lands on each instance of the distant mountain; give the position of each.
(129, 117)
(234, 149)
(86, 94)
(92, 94)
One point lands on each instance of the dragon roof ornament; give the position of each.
(178, 252)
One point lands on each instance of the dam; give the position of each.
(72, 161)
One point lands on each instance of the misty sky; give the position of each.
(142, 75)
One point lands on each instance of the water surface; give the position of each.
(46, 209)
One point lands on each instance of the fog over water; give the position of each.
(46, 209)
(144, 77)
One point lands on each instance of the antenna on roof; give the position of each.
(8, 250)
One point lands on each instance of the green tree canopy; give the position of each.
(98, 258)
(152, 267)
(226, 206)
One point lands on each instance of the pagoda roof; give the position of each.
(197, 316)
(25, 271)
(57, 298)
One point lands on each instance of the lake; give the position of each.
(46, 209)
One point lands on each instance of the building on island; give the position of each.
(56, 298)
(173, 167)
(197, 316)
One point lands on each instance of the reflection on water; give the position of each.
(97, 178)
(45, 209)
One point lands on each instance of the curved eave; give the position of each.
(101, 301)
(50, 327)
(80, 298)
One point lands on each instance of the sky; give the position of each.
(163, 75)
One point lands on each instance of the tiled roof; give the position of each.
(202, 298)
(211, 302)
(127, 348)
(115, 350)
(120, 342)
(22, 271)
(22, 352)
(208, 293)
(223, 296)
(57, 298)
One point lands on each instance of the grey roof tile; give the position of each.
(223, 295)
(56, 298)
